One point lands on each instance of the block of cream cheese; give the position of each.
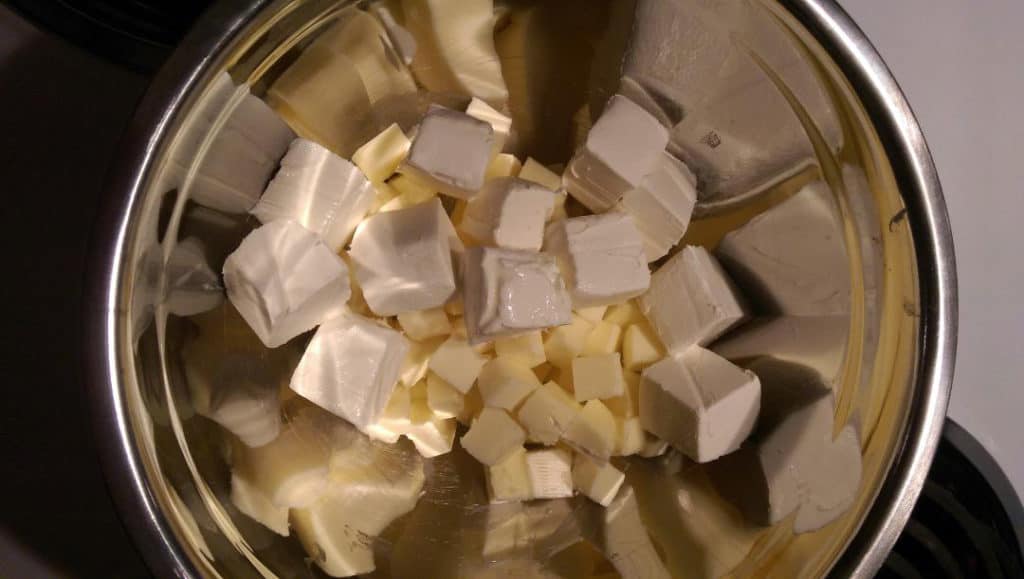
(662, 205)
(601, 256)
(509, 292)
(325, 193)
(691, 300)
(284, 281)
(350, 368)
(599, 481)
(403, 260)
(791, 259)
(501, 123)
(700, 403)
(793, 462)
(451, 151)
(623, 146)
(550, 473)
(509, 212)
(547, 413)
(493, 436)
(456, 48)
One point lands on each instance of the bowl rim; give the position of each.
(221, 26)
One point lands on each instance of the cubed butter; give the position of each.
(502, 124)
(423, 324)
(534, 171)
(597, 377)
(505, 382)
(566, 342)
(509, 480)
(547, 413)
(493, 437)
(624, 314)
(599, 481)
(417, 360)
(502, 165)
(641, 347)
(528, 348)
(444, 400)
(630, 439)
(603, 339)
(593, 432)
(457, 363)
(627, 405)
(592, 314)
(380, 157)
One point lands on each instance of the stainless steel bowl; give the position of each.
(775, 94)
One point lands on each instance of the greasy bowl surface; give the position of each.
(831, 111)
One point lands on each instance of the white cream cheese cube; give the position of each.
(601, 256)
(509, 480)
(564, 343)
(593, 431)
(599, 481)
(253, 503)
(451, 151)
(502, 165)
(623, 146)
(605, 338)
(457, 363)
(691, 301)
(550, 473)
(505, 382)
(502, 124)
(318, 189)
(380, 157)
(547, 413)
(350, 368)
(662, 205)
(528, 348)
(640, 347)
(424, 324)
(597, 377)
(631, 437)
(508, 292)
(442, 398)
(284, 281)
(493, 436)
(700, 403)
(533, 171)
(403, 259)
(509, 212)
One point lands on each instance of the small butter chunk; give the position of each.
(502, 165)
(509, 212)
(251, 412)
(508, 292)
(601, 256)
(603, 339)
(251, 501)
(395, 418)
(599, 481)
(700, 403)
(417, 360)
(380, 157)
(350, 368)
(566, 342)
(451, 151)
(423, 324)
(505, 382)
(284, 281)
(623, 146)
(318, 189)
(547, 413)
(641, 347)
(444, 400)
(457, 363)
(592, 314)
(493, 436)
(534, 171)
(550, 473)
(509, 480)
(630, 439)
(627, 405)
(412, 188)
(597, 377)
(403, 259)
(662, 205)
(691, 301)
(625, 314)
(528, 348)
(431, 435)
(502, 124)
(593, 431)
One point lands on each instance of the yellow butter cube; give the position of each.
(566, 342)
(528, 348)
(624, 314)
(493, 437)
(423, 324)
(599, 481)
(543, 371)
(457, 363)
(509, 480)
(627, 405)
(442, 398)
(547, 413)
(385, 194)
(417, 359)
(630, 439)
(502, 165)
(415, 188)
(593, 314)
(593, 431)
(380, 156)
(640, 347)
(603, 339)
(597, 377)
(558, 211)
(505, 382)
(534, 171)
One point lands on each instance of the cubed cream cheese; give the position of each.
(507, 292)
(350, 368)
(451, 151)
(403, 260)
(423, 324)
(505, 382)
(601, 256)
(493, 437)
(662, 205)
(597, 377)
(550, 473)
(623, 146)
(593, 431)
(599, 481)
(509, 212)
(691, 301)
(380, 157)
(699, 402)
(284, 281)
(457, 363)
(528, 348)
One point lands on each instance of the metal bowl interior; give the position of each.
(767, 97)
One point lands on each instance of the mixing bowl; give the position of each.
(763, 97)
